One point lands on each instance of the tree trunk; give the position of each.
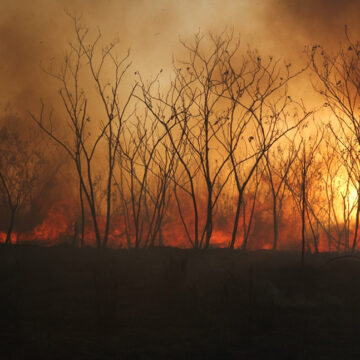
(209, 220)
(236, 221)
(196, 218)
(275, 223)
(251, 218)
(82, 217)
(108, 211)
(244, 244)
(96, 227)
(11, 226)
(303, 216)
(328, 234)
(356, 225)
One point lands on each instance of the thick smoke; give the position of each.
(33, 34)
(295, 23)
(28, 38)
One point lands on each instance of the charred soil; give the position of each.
(167, 303)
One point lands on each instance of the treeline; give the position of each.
(208, 151)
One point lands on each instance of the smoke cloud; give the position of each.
(295, 23)
(35, 34)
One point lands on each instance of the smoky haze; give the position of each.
(35, 33)
(295, 23)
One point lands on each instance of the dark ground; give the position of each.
(65, 303)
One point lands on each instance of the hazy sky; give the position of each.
(33, 32)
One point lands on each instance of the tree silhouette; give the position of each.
(87, 59)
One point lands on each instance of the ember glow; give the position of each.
(231, 136)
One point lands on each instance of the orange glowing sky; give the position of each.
(32, 33)
(35, 34)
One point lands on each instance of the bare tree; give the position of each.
(327, 214)
(330, 201)
(191, 113)
(337, 82)
(278, 162)
(223, 107)
(305, 172)
(259, 112)
(22, 165)
(249, 200)
(87, 59)
(147, 168)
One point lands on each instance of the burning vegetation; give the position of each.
(220, 151)
(224, 146)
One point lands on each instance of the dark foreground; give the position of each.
(64, 303)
